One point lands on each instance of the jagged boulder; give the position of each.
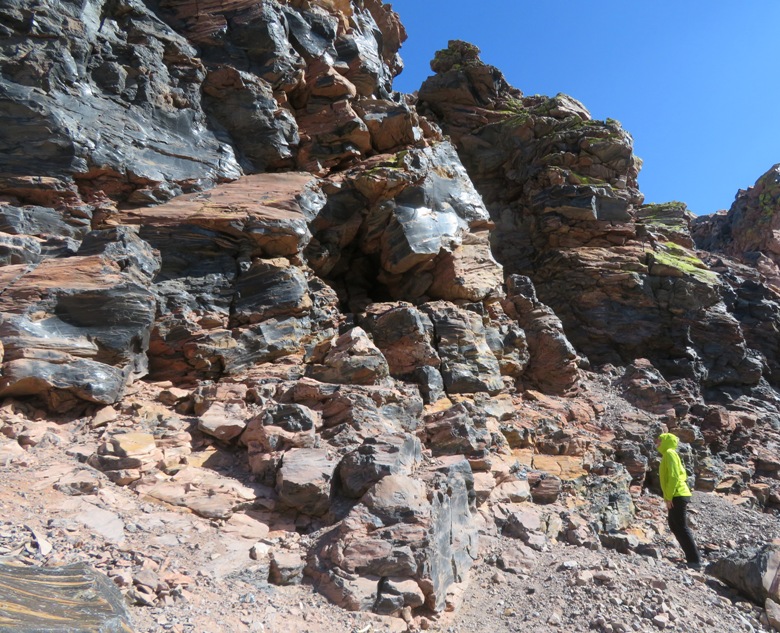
(352, 359)
(124, 457)
(305, 479)
(352, 413)
(375, 459)
(415, 535)
(468, 365)
(263, 132)
(455, 432)
(645, 387)
(146, 87)
(753, 571)
(231, 289)
(606, 491)
(312, 81)
(78, 328)
(552, 359)
(280, 427)
(405, 336)
(392, 222)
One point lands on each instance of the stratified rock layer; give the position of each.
(562, 191)
(385, 331)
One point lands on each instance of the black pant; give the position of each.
(678, 524)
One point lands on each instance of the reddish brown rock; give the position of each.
(264, 209)
(553, 360)
(375, 459)
(646, 388)
(469, 273)
(397, 524)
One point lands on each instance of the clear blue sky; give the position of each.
(697, 84)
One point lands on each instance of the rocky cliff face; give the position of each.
(392, 312)
(562, 191)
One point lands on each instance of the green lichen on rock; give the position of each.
(589, 124)
(516, 120)
(545, 106)
(456, 56)
(769, 196)
(513, 106)
(581, 179)
(673, 206)
(673, 216)
(675, 256)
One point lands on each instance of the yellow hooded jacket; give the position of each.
(672, 472)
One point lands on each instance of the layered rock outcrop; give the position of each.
(392, 330)
(562, 190)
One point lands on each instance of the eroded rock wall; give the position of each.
(389, 328)
(561, 188)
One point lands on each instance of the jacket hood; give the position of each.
(668, 441)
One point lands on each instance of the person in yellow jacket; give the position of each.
(677, 495)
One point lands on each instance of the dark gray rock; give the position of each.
(262, 131)
(430, 382)
(19, 249)
(607, 491)
(753, 571)
(79, 325)
(454, 543)
(553, 360)
(280, 427)
(405, 530)
(455, 432)
(420, 210)
(269, 341)
(43, 222)
(404, 335)
(270, 289)
(467, 363)
(305, 479)
(351, 359)
(395, 594)
(376, 458)
(623, 543)
(636, 463)
(645, 387)
(54, 381)
(286, 568)
(107, 89)
(352, 413)
(585, 203)
(123, 244)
